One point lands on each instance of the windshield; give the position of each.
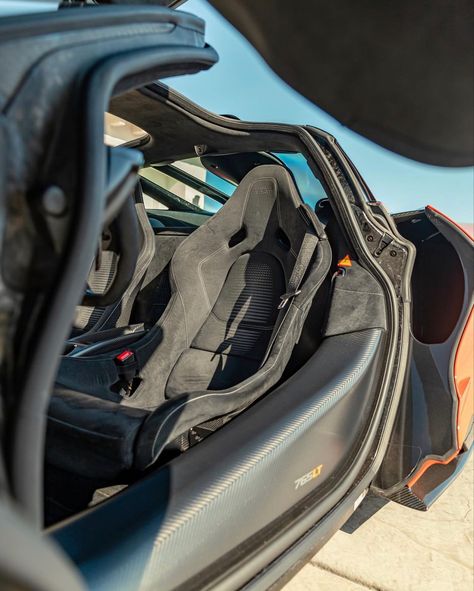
(310, 187)
(188, 185)
(189, 182)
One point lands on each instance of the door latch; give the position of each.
(384, 241)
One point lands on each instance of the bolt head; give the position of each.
(54, 201)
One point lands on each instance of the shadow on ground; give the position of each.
(369, 507)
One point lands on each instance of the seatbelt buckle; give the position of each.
(286, 297)
(125, 356)
(127, 367)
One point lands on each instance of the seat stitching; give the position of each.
(248, 383)
(357, 291)
(224, 246)
(244, 323)
(182, 303)
(199, 271)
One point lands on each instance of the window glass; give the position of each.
(310, 187)
(188, 180)
(118, 131)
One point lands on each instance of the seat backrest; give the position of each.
(90, 319)
(250, 246)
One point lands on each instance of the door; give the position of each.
(433, 434)
(58, 73)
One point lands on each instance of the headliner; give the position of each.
(175, 133)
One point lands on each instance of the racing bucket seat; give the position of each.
(242, 285)
(104, 311)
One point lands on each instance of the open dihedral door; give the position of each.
(58, 73)
(408, 65)
(433, 435)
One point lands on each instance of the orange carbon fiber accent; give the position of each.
(463, 379)
(464, 229)
(427, 464)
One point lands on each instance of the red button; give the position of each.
(124, 355)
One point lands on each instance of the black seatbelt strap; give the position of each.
(311, 238)
(308, 246)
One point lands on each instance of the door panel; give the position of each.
(28, 562)
(434, 424)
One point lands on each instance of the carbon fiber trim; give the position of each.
(409, 499)
(99, 281)
(190, 514)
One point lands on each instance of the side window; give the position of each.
(309, 186)
(119, 132)
(184, 186)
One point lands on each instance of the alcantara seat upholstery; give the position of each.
(91, 319)
(242, 285)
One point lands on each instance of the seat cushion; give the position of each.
(198, 370)
(94, 436)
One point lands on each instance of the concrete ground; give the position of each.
(399, 549)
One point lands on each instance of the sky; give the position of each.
(242, 84)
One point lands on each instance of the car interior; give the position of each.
(217, 280)
(210, 347)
